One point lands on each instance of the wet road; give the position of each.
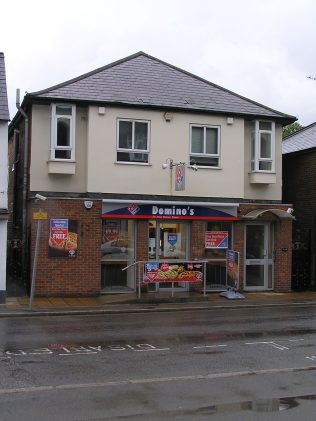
(219, 364)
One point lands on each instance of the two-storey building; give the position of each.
(4, 118)
(142, 161)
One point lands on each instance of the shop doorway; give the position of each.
(259, 256)
(118, 252)
(168, 241)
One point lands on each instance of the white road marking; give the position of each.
(152, 349)
(273, 344)
(209, 346)
(208, 376)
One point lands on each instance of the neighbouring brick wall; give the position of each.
(299, 172)
(283, 256)
(64, 276)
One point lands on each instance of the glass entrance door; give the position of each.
(118, 252)
(259, 256)
(168, 241)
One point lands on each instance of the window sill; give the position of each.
(202, 167)
(144, 164)
(61, 167)
(262, 178)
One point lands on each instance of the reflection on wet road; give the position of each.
(173, 365)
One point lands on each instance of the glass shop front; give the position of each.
(135, 233)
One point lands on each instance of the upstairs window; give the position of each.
(133, 141)
(263, 146)
(63, 132)
(205, 145)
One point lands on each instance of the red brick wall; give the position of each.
(197, 250)
(283, 256)
(59, 276)
(299, 172)
(82, 275)
(141, 249)
(239, 229)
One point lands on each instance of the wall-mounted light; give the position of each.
(169, 163)
(40, 197)
(168, 116)
(88, 204)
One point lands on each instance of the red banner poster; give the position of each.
(173, 272)
(216, 239)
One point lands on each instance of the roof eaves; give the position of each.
(300, 151)
(299, 131)
(246, 116)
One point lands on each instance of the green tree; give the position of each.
(291, 128)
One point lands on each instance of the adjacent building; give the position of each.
(299, 173)
(4, 118)
(143, 164)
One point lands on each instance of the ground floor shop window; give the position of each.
(218, 239)
(118, 251)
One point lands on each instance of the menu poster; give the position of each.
(232, 272)
(173, 272)
(63, 238)
(216, 239)
(172, 244)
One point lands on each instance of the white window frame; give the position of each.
(54, 120)
(256, 158)
(133, 149)
(218, 155)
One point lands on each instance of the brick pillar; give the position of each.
(142, 248)
(239, 242)
(197, 249)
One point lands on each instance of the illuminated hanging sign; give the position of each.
(135, 211)
(180, 178)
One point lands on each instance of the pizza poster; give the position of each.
(216, 239)
(173, 272)
(232, 268)
(63, 238)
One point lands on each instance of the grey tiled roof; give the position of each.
(300, 140)
(4, 109)
(143, 80)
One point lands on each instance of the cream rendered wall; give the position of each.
(40, 179)
(98, 171)
(167, 140)
(264, 191)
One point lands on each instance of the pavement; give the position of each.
(149, 302)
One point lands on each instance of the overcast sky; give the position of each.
(261, 49)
